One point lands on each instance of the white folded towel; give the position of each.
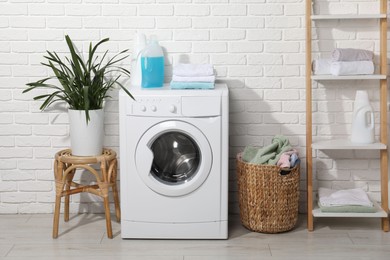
(190, 70)
(352, 55)
(193, 79)
(357, 197)
(321, 66)
(352, 68)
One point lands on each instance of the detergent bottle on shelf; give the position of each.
(363, 119)
(152, 65)
(136, 72)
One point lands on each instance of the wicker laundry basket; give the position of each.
(268, 196)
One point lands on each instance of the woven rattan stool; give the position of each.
(65, 166)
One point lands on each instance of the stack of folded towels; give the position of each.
(351, 200)
(193, 76)
(345, 62)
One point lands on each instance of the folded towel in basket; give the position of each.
(352, 55)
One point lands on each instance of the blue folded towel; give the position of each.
(190, 85)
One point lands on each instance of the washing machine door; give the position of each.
(173, 158)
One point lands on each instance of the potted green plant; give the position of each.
(84, 86)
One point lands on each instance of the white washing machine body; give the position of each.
(174, 163)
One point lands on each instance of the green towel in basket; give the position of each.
(269, 154)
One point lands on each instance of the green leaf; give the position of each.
(75, 57)
(125, 90)
(86, 103)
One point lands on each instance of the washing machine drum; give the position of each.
(173, 158)
(176, 158)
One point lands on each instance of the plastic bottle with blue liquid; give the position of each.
(152, 65)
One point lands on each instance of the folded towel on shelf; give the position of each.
(352, 68)
(352, 55)
(348, 208)
(321, 66)
(269, 154)
(192, 85)
(190, 70)
(357, 197)
(193, 78)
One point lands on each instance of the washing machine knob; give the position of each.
(143, 108)
(153, 108)
(172, 108)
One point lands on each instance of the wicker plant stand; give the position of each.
(65, 166)
(268, 196)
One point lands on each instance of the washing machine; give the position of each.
(174, 163)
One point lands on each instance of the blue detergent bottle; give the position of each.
(152, 65)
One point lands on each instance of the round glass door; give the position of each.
(176, 158)
(173, 158)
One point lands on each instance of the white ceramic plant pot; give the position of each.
(86, 139)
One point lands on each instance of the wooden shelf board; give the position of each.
(347, 16)
(344, 144)
(351, 77)
(380, 213)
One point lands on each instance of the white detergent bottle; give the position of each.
(363, 119)
(136, 72)
(152, 65)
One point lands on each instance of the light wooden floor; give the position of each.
(84, 237)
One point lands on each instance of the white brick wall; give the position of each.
(257, 47)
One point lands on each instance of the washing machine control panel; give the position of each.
(156, 106)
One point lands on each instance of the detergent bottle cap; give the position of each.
(153, 39)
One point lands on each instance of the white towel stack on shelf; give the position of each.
(357, 197)
(345, 62)
(193, 76)
(351, 200)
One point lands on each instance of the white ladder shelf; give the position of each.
(381, 145)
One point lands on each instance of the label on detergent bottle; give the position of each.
(152, 72)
